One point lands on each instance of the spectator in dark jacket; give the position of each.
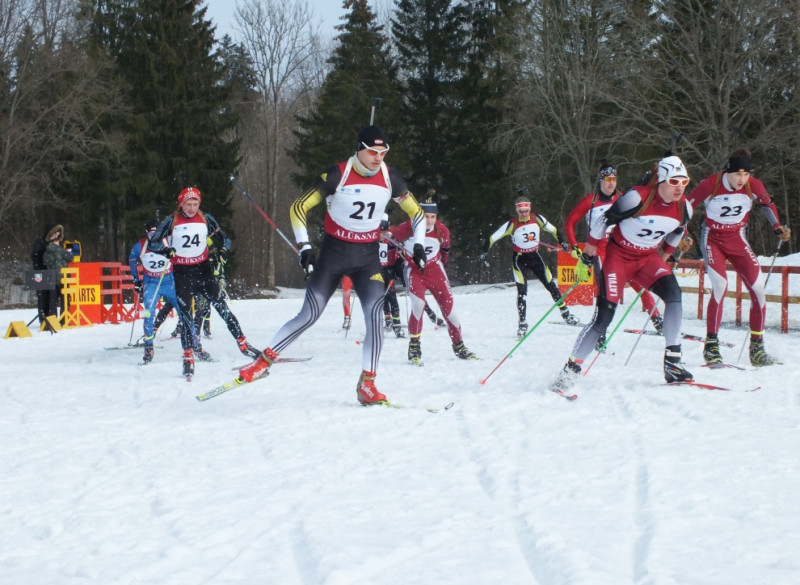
(47, 299)
(56, 258)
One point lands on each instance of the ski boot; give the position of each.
(387, 322)
(567, 377)
(568, 317)
(188, 363)
(658, 323)
(178, 330)
(201, 355)
(462, 352)
(259, 367)
(673, 370)
(711, 353)
(601, 341)
(346, 323)
(415, 351)
(366, 391)
(397, 327)
(431, 315)
(522, 330)
(758, 356)
(148, 354)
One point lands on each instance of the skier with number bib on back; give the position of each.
(589, 207)
(728, 198)
(650, 222)
(156, 282)
(188, 229)
(525, 230)
(356, 192)
(432, 278)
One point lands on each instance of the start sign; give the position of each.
(85, 294)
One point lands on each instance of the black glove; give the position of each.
(482, 258)
(419, 256)
(307, 258)
(168, 252)
(564, 245)
(138, 286)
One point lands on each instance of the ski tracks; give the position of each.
(506, 472)
(643, 518)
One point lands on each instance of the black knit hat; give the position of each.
(737, 164)
(370, 136)
(151, 225)
(429, 206)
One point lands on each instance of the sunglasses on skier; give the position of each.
(675, 182)
(374, 151)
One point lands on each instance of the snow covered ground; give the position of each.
(115, 474)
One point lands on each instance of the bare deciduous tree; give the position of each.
(284, 49)
(724, 75)
(560, 122)
(54, 97)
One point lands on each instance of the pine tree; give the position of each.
(428, 35)
(362, 69)
(445, 58)
(179, 119)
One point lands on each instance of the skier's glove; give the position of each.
(583, 270)
(783, 232)
(419, 256)
(576, 251)
(307, 258)
(168, 252)
(138, 286)
(483, 259)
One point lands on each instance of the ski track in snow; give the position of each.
(642, 516)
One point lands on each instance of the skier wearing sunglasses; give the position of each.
(650, 222)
